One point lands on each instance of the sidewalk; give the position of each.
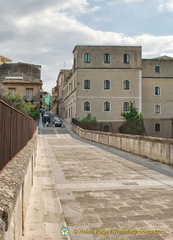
(96, 192)
(44, 215)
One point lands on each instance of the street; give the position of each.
(97, 192)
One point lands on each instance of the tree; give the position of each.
(134, 122)
(89, 118)
(132, 114)
(32, 110)
(19, 103)
(16, 100)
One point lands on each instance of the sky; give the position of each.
(45, 32)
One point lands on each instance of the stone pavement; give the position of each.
(97, 192)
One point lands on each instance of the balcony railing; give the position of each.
(29, 99)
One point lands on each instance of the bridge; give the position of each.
(90, 191)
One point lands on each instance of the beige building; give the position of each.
(4, 60)
(157, 95)
(105, 79)
(21, 78)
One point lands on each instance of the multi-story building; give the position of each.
(157, 96)
(46, 100)
(105, 79)
(22, 78)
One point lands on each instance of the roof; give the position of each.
(163, 58)
(17, 80)
(7, 59)
(106, 46)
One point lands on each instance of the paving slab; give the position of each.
(97, 193)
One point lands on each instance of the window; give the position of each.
(126, 58)
(126, 106)
(87, 106)
(107, 106)
(12, 91)
(157, 127)
(74, 64)
(107, 84)
(106, 58)
(87, 57)
(157, 69)
(29, 95)
(157, 108)
(157, 90)
(126, 85)
(87, 84)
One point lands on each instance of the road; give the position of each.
(97, 192)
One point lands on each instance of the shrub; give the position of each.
(19, 103)
(89, 118)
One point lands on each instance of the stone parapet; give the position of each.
(16, 180)
(158, 149)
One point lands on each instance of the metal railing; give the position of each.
(98, 126)
(125, 127)
(16, 129)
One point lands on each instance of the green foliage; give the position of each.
(32, 110)
(19, 103)
(89, 118)
(133, 114)
(134, 122)
(16, 100)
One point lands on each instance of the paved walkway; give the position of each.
(97, 192)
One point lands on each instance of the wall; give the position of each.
(16, 180)
(159, 149)
(21, 89)
(28, 71)
(97, 95)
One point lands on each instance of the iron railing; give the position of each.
(16, 129)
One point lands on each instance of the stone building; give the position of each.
(22, 78)
(157, 97)
(105, 79)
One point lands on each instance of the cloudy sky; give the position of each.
(45, 32)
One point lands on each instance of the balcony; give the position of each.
(28, 99)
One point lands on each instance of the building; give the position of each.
(157, 96)
(21, 78)
(46, 100)
(55, 100)
(4, 60)
(105, 79)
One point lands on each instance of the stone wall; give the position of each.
(158, 149)
(16, 180)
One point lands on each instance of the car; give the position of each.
(57, 122)
(46, 118)
(54, 119)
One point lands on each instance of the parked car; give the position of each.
(57, 122)
(46, 118)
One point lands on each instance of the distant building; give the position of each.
(46, 100)
(105, 79)
(21, 78)
(55, 100)
(4, 60)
